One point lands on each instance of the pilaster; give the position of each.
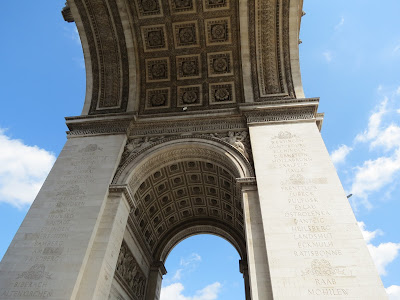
(48, 255)
(259, 280)
(314, 246)
(157, 271)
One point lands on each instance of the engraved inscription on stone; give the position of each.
(312, 231)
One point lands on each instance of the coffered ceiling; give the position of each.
(164, 56)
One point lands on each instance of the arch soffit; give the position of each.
(139, 165)
(166, 245)
(86, 12)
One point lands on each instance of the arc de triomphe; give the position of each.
(194, 121)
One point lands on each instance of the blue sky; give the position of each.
(350, 58)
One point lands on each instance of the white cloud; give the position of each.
(340, 24)
(388, 138)
(187, 265)
(374, 174)
(374, 123)
(384, 253)
(339, 155)
(368, 235)
(328, 56)
(174, 292)
(398, 91)
(23, 170)
(394, 292)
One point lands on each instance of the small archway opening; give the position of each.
(203, 267)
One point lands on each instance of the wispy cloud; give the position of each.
(327, 55)
(186, 265)
(72, 33)
(384, 253)
(339, 155)
(23, 170)
(190, 260)
(80, 61)
(174, 292)
(340, 24)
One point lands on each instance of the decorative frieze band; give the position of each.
(281, 114)
(116, 188)
(129, 274)
(187, 126)
(84, 127)
(236, 140)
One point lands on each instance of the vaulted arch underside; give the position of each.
(153, 56)
(186, 194)
(185, 186)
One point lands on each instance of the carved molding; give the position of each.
(109, 58)
(280, 114)
(191, 46)
(115, 188)
(129, 273)
(240, 140)
(66, 13)
(187, 126)
(179, 154)
(270, 54)
(199, 229)
(246, 181)
(91, 126)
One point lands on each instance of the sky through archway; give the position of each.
(203, 267)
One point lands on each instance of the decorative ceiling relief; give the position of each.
(108, 53)
(189, 54)
(270, 59)
(185, 191)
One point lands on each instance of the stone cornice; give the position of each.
(282, 114)
(192, 125)
(320, 120)
(98, 125)
(117, 188)
(202, 122)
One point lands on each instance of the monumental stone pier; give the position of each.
(194, 121)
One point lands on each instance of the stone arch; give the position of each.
(180, 187)
(167, 149)
(212, 228)
(207, 169)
